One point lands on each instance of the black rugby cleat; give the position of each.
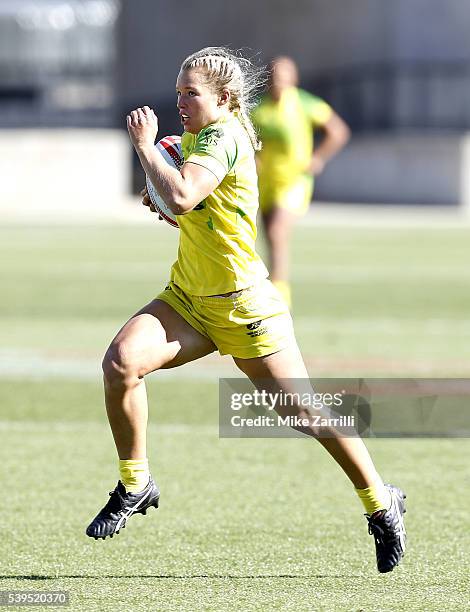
(389, 532)
(120, 507)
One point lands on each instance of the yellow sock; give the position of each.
(284, 289)
(375, 498)
(134, 474)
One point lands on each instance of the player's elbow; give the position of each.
(337, 132)
(341, 132)
(181, 205)
(345, 133)
(180, 210)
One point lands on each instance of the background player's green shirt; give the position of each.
(217, 238)
(286, 130)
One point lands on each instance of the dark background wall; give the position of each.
(383, 65)
(398, 71)
(155, 36)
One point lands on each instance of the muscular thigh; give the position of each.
(284, 372)
(284, 369)
(157, 337)
(284, 364)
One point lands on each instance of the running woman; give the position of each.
(287, 118)
(218, 290)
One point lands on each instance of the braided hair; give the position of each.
(226, 69)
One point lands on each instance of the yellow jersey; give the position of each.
(286, 129)
(216, 252)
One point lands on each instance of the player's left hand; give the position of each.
(142, 125)
(146, 201)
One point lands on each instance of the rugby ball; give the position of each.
(170, 148)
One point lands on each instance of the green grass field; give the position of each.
(244, 524)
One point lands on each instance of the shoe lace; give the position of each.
(375, 529)
(115, 502)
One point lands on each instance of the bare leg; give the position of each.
(156, 337)
(278, 225)
(284, 369)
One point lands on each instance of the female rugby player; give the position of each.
(218, 289)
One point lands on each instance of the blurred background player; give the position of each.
(286, 118)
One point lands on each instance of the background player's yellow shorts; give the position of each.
(294, 196)
(253, 323)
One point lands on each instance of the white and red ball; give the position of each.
(170, 148)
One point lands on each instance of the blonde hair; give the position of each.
(226, 69)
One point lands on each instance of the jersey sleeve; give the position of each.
(214, 149)
(318, 111)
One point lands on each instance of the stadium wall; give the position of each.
(79, 173)
(416, 51)
(400, 169)
(72, 172)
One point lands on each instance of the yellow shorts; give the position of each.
(253, 323)
(294, 196)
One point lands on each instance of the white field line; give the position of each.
(338, 214)
(74, 426)
(348, 275)
(416, 327)
(329, 273)
(37, 364)
(81, 371)
(119, 271)
(128, 211)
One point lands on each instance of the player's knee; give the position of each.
(119, 368)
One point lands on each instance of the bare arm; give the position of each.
(181, 191)
(336, 136)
